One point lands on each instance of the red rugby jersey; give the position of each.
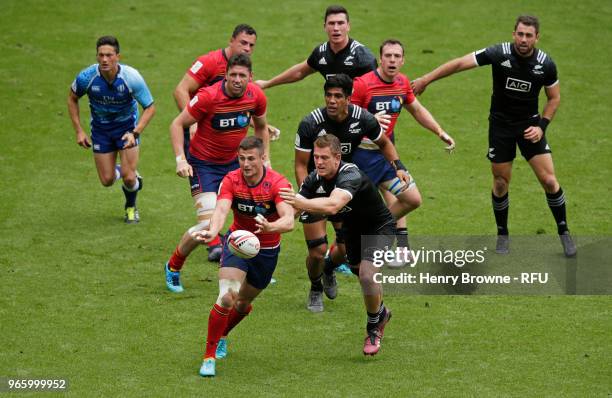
(249, 201)
(370, 91)
(223, 121)
(209, 68)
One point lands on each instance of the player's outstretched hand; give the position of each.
(533, 134)
(288, 195)
(418, 86)
(202, 236)
(449, 141)
(129, 141)
(183, 169)
(82, 140)
(383, 119)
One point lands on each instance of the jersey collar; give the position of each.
(263, 177)
(381, 79)
(229, 96)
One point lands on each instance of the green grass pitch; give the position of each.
(83, 296)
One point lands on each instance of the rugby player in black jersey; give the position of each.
(341, 189)
(340, 54)
(520, 70)
(350, 123)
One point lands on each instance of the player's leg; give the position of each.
(231, 279)
(401, 204)
(105, 165)
(502, 172)
(132, 182)
(542, 165)
(501, 153)
(204, 203)
(316, 241)
(377, 314)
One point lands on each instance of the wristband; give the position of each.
(543, 124)
(398, 165)
(135, 134)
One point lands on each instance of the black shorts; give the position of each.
(503, 139)
(360, 245)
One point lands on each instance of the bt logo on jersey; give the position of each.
(231, 121)
(392, 104)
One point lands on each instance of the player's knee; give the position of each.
(228, 292)
(549, 182)
(107, 181)
(500, 184)
(242, 305)
(410, 199)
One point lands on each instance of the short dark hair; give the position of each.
(341, 81)
(528, 20)
(331, 141)
(239, 60)
(335, 9)
(108, 41)
(390, 42)
(252, 142)
(243, 28)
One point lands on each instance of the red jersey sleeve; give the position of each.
(202, 70)
(409, 93)
(282, 182)
(261, 102)
(359, 93)
(199, 104)
(226, 190)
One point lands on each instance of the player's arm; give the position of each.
(284, 223)
(456, 65)
(293, 74)
(73, 111)
(184, 91)
(260, 130)
(184, 119)
(301, 166)
(426, 119)
(329, 205)
(553, 96)
(217, 221)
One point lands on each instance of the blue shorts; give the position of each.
(374, 164)
(106, 141)
(207, 176)
(259, 269)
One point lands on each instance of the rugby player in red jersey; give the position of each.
(222, 113)
(252, 193)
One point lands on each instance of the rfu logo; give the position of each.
(345, 148)
(395, 105)
(238, 121)
(518, 85)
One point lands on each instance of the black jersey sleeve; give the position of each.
(304, 138)
(309, 186)
(349, 179)
(313, 59)
(366, 61)
(489, 55)
(371, 127)
(550, 72)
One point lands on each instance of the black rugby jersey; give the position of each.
(354, 60)
(517, 81)
(359, 123)
(365, 212)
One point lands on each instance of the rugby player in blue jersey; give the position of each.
(114, 92)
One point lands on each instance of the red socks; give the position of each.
(235, 317)
(217, 322)
(176, 260)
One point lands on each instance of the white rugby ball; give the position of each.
(243, 244)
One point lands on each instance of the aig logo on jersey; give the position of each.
(518, 85)
(231, 120)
